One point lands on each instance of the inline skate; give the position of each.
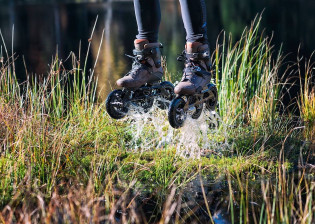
(142, 85)
(194, 90)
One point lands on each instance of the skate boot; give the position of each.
(195, 89)
(197, 69)
(146, 67)
(142, 84)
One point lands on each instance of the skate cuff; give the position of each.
(152, 52)
(146, 52)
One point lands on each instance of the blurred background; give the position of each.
(44, 27)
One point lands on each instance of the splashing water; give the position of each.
(152, 130)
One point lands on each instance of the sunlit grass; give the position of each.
(247, 75)
(306, 101)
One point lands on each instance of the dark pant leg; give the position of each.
(194, 18)
(148, 15)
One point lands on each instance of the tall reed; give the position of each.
(247, 76)
(306, 101)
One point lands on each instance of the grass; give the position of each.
(307, 100)
(248, 78)
(64, 160)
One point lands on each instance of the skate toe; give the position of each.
(128, 83)
(185, 88)
(125, 82)
(120, 83)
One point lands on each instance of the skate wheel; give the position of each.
(146, 105)
(143, 101)
(198, 111)
(164, 101)
(115, 105)
(176, 113)
(211, 104)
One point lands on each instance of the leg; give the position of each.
(148, 15)
(194, 18)
(197, 55)
(147, 61)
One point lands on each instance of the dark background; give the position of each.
(43, 28)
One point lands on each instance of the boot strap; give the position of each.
(195, 71)
(198, 56)
(152, 52)
(147, 51)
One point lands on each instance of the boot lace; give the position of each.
(137, 64)
(190, 65)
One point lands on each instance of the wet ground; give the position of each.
(229, 200)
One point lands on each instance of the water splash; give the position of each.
(151, 130)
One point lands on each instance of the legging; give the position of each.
(148, 15)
